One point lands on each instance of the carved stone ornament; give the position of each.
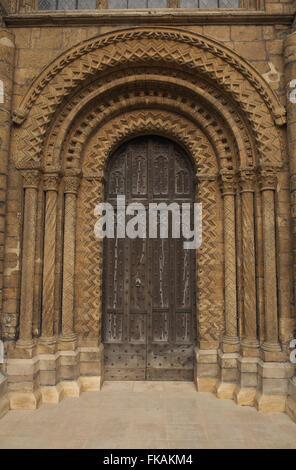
(50, 181)
(227, 182)
(72, 181)
(268, 178)
(199, 177)
(19, 115)
(247, 178)
(170, 48)
(31, 178)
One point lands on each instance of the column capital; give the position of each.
(72, 181)
(247, 179)
(228, 182)
(268, 178)
(51, 181)
(31, 178)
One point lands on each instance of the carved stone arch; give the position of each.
(55, 118)
(100, 147)
(213, 99)
(174, 48)
(231, 139)
(138, 122)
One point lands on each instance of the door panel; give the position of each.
(149, 327)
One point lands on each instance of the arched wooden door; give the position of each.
(149, 324)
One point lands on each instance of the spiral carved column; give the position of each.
(230, 340)
(249, 344)
(71, 186)
(30, 184)
(268, 183)
(50, 186)
(228, 354)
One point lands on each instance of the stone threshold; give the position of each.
(21, 400)
(140, 17)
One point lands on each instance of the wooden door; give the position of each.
(149, 319)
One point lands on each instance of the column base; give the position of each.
(68, 342)
(25, 400)
(205, 370)
(270, 403)
(47, 345)
(25, 349)
(71, 388)
(226, 390)
(244, 396)
(274, 377)
(68, 365)
(230, 344)
(228, 373)
(91, 384)
(52, 394)
(272, 352)
(249, 348)
(206, 384)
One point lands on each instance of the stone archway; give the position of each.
(192, 90)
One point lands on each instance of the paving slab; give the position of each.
(146, 415)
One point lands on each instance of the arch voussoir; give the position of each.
(165, 46)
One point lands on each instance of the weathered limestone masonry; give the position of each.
(77, 85)
(7, 56)
(290, 73)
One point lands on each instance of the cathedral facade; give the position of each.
(159, 101)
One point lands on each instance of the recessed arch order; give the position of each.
(92, 62)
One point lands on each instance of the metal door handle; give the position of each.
(138, 283)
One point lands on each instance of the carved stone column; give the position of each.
(230, 340)
(209, 289)
(268, 183)
(71, 186)
(30, 183)
(228, 354)
(50, 186)
(7, 55)
(249, 342)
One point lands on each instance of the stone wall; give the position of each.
(262, 45)
(36, 47)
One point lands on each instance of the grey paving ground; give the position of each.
(140, 415)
